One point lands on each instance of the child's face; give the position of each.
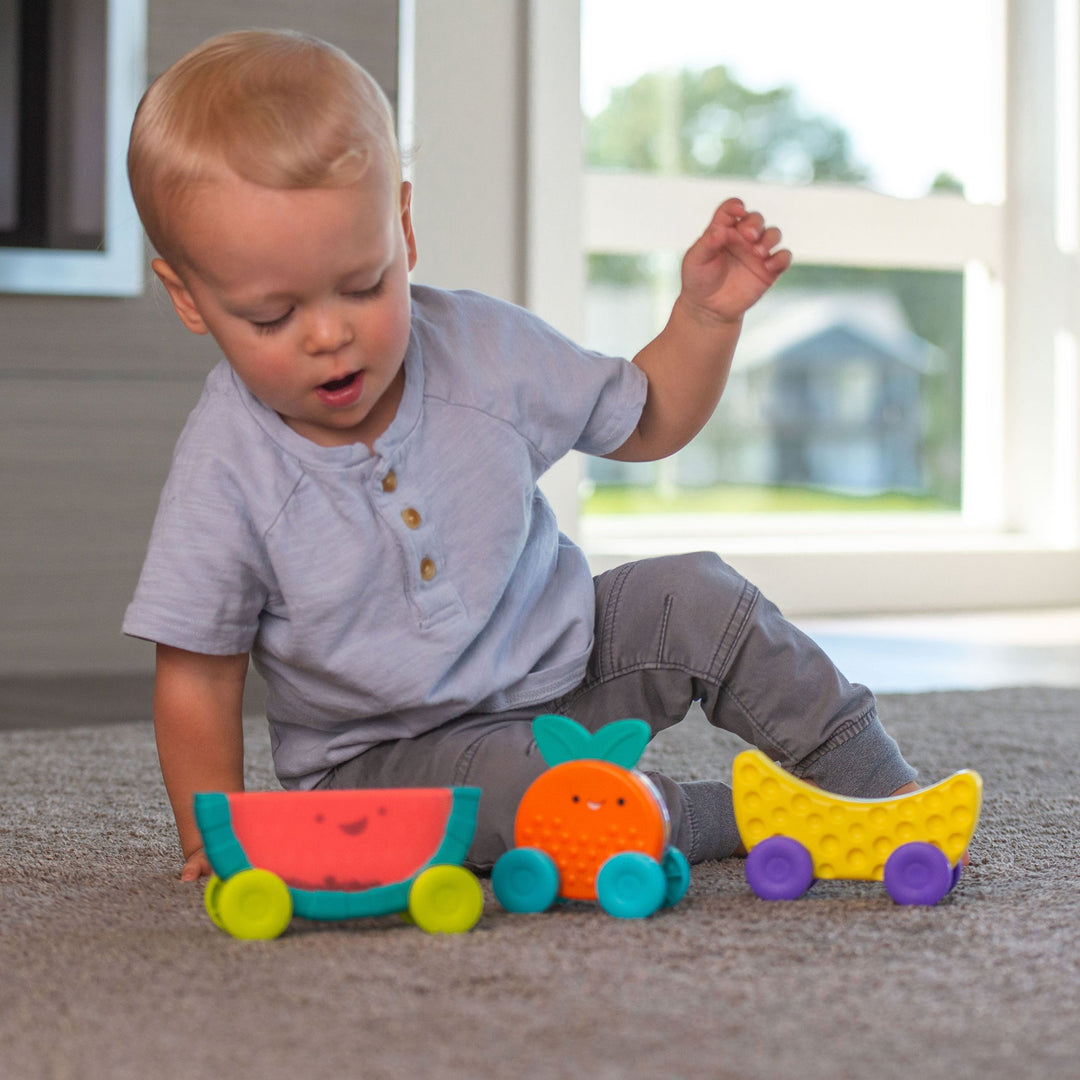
(307, 293)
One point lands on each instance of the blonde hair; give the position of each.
(278, 108)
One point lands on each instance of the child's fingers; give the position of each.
(729, 212)
(778, 262)
(725, 217)
(196, 866)
(752, 227)
(768, 240)
(733, 226)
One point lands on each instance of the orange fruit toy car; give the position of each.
(592, 827)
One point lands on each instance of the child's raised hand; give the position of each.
(732, 264)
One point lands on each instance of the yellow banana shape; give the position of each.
(846, 837)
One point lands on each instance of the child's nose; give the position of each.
(328, 330)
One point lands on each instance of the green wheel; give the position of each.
(252, 905)
(446, 900)
(210, 900)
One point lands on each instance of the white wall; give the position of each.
(93, 393)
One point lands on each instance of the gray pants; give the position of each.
(669, 632)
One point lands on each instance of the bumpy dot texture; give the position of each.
(582, 812)
(851, 838)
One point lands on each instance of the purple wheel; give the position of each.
(956, 870)
(918, 873)
(779, 869)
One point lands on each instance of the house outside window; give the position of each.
(856, 372)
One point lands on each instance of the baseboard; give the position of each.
(63, 701)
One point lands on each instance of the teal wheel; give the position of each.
(677, 874)
(525, 879)
(631, 885)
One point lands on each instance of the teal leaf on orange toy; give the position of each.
(561, 739)
(621, 742)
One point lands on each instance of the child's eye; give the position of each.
(272, 325)
(370, 294)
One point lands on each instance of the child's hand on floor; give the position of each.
(732, 264)
(196, 866)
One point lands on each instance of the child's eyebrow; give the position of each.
(360, 278)
(369, 273)
(249, 304)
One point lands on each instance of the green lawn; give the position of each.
(738, 499)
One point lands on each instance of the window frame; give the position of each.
(117, 270)
(837, 225)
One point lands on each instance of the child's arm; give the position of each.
(198, 707)
(727, 270)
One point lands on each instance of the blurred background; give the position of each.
(896, 458)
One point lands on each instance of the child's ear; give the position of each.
(406, 222)
(180, 297)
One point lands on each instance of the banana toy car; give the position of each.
(795, 832)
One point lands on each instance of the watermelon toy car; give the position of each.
(339, 855)
(591, 827)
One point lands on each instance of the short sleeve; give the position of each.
(206, 579)
(555, 393)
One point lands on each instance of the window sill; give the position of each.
(820, 568)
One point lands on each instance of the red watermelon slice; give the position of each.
(346, 841)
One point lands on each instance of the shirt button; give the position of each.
(389, 481)
(427, 569)
(411, 517)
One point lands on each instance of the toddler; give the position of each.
(353, 502)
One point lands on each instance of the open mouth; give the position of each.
(339, 384)
(342, 393)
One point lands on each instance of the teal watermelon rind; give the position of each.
(223, 849)
(227, 857)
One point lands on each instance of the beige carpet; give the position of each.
(110, 969)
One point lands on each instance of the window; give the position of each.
(1000, 256)
(71, 72)
(52, 173)
(848, 384)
